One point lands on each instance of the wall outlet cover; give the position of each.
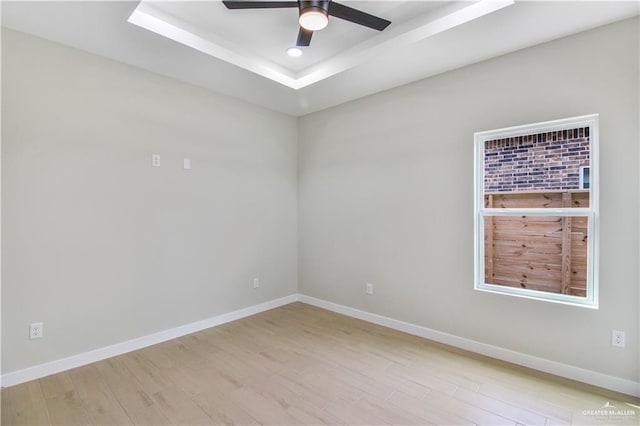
(618, 338)
(35, 330)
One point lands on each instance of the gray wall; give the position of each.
(102, 247)
(386, 196)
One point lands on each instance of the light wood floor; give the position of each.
(302, 365)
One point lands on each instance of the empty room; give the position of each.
(365, 212)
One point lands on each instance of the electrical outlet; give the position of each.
(186, 163)
(369, 289)
(35, 330)
(256, 282)
(155, 160)
(618, 338)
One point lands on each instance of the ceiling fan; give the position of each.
(314, 15)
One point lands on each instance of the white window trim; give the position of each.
(591, 121)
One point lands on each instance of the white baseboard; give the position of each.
(52, 367)
(617, 384)
(613, 383)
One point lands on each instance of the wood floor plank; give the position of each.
(387, 412)
(514, 413)
(63, 402)
(455, 376)
(101, 406)
(202, 344)
(180, 409)
(363, 383)
(540, 403)
(327, 388)
(303, 405)
(396, 382)
(266, 410)
(67, 410)
(299, 364)
(222, 409)
(428, 410)
(137, 403)
(5, 407)
(57, 385)
(351, 415)
(472, 413)
(424, 378)
(146, 373)
(26, 405)
(295, 385)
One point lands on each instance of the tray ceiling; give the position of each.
(257, 40)
(242, 53)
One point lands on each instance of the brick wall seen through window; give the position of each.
(543, 161)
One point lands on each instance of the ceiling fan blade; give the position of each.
(304, 37)
(241, 4)
(357, 16)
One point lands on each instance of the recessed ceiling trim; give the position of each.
(149, 18)
(411, 32)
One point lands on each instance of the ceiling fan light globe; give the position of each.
(313, 20)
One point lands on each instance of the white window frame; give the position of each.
(591, 299)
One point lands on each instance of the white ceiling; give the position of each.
(249, 39)
(242, 53)
(269, 32)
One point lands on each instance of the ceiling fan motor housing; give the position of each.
(313, 14)
(321, 6)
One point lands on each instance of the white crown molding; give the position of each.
(150, 18)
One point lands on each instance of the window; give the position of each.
(536, 211)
